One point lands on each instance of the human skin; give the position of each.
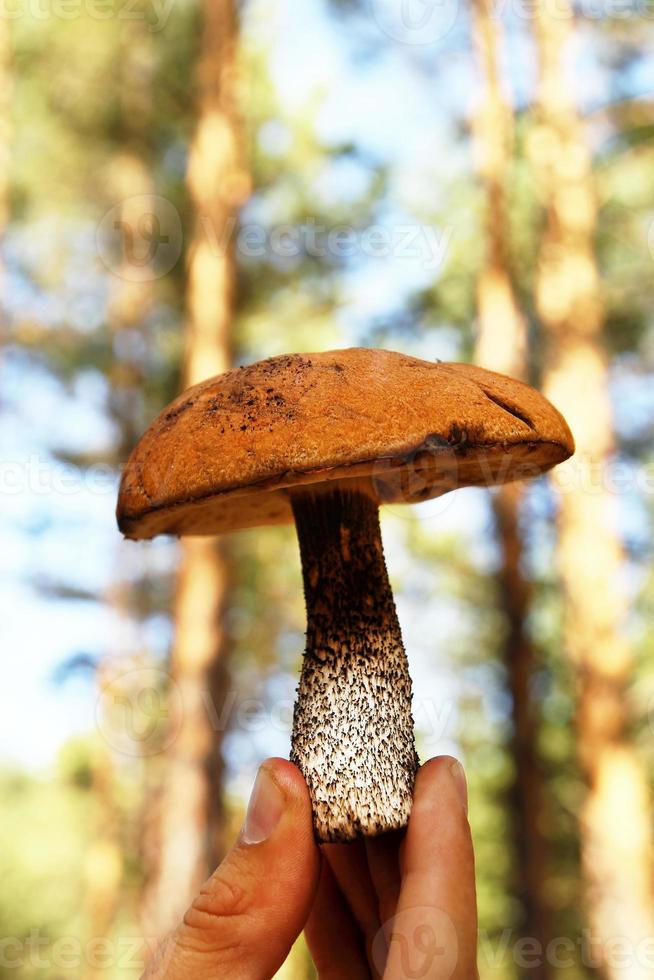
(397, 906)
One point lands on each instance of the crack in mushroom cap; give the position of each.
(225, 454)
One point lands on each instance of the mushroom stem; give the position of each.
(352, 725)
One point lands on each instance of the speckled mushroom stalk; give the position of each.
(352, 728)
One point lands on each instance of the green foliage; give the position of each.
(44, 826)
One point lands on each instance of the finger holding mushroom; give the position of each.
(324, 440)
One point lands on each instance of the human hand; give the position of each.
(402, 905)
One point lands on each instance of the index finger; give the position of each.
(433, 934)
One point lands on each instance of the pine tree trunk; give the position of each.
(6, 86)
(616, 815)
(190, 825)
(103, 860)
(128, 180)
(502, 346)
(502, 334)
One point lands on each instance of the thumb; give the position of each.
(249, 913)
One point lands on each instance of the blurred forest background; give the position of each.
(190, 185)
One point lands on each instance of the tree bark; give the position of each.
(219, 184)
(191, 814)
(615, 818)
(501, 345)
(103, 877)
(6, 86)
(128, 179)
(501, 334)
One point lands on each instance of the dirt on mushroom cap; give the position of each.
(224, 454)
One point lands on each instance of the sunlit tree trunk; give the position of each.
(130, 300)
(128, 182)
(502, 335)
(502, 346)
(103, 860)
(5, 152)
(616, 815)
(190, 831)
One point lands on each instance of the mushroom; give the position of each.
(324, 439)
